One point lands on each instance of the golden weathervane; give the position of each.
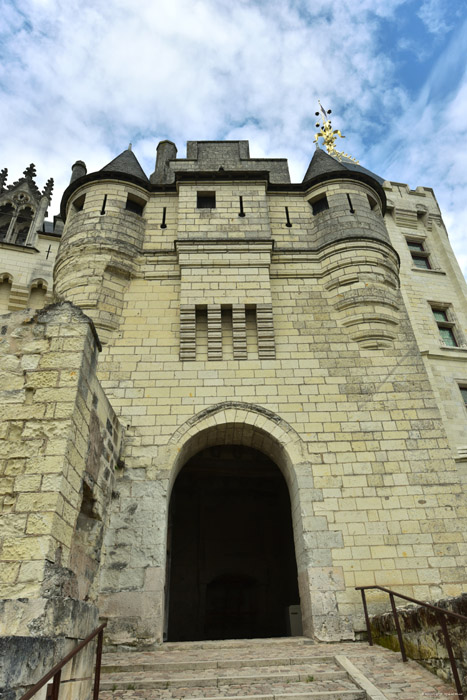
(329, 135)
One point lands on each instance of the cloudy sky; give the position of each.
(80, 79)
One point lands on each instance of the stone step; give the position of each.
(194, 665)
(320, 691)
(273, 669)
(219, 644)
(248, 670)
(147, 680)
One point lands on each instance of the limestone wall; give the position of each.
(277, 318)
(375, 493)
(26, 274)
(414, 215)
(59, 445)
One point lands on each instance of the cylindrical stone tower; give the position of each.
(103, 234)
(360, 267)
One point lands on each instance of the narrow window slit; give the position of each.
(164, 213)
(352, 210)
(241, 213)
(288, 224)
(103, 205)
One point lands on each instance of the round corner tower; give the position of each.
(103, 234)
(360, 266)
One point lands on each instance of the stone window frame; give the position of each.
(19, 203)
(78, 203)
(374, 205)
(318, 203)
(6, 279)
(135, 204)
(448, 322)
(463, 392)
(421, 252)
(206, 199)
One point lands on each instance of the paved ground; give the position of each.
(272, 669)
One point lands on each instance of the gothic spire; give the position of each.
(30, 171)
(3, 177)
(49, 185)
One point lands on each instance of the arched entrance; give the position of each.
(232, 568)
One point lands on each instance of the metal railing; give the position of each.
(56, 672)
(440, 616)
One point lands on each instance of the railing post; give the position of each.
(97, 675)
(442, 621)
(367, 619)
(56, 685)
(398, 627)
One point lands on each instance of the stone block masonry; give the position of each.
(422, 637)
(59, 446)
(241, 315)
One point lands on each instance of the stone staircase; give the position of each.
(265, 669)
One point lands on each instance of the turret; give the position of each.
(166, 151)
(78, 170)
(361, 268)
(103, 234)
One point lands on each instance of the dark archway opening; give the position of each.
(231, 555)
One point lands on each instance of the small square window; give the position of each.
(319, 205)
(421, 262)
(413, 245)
(440, 315)
(135, 204)
(78, 204)
(206, 200)
(448, 337)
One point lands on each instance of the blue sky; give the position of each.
(80, 79)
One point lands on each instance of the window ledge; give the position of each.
(19, 246)
(457, 353)
(422, 269)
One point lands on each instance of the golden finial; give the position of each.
(329, 135)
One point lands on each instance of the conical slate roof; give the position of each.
(322, 163)
(126, 163)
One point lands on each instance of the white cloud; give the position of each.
(80, 80)
(434, 14)
(427, 145)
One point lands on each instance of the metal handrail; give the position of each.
(441, 615)
(56, 671)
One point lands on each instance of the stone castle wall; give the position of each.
(26, 274)
(259, 323)
(59, 446)
(287, 319)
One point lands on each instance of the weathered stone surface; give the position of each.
(423, 638)
(264, 322)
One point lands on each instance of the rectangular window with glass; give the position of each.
(445, 327)
(463, 390)
(420, 256)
